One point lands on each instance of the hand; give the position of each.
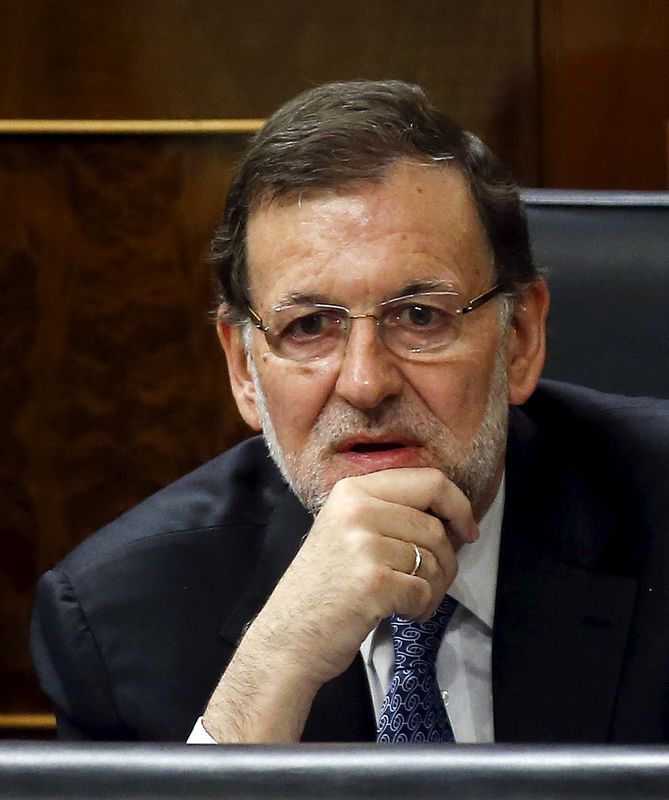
(352, 571)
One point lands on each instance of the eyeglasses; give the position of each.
(416, 327)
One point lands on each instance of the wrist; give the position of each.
(264, 697)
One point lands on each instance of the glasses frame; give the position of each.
(472, 305)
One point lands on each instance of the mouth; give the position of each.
(360, 454)
(364, 445)
(374, 447)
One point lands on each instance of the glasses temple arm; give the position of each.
(482, 298)
(257, 322)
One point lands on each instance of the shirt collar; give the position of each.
(475, 585)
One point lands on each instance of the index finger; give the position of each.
(426, 489)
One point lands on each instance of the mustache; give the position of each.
(340, 421)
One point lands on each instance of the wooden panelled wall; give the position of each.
(111, 384)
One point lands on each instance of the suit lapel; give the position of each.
(342, 709)
(560, 626)
(287, 524)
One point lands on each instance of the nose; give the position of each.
(368, 373)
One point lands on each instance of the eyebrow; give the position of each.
(426, 285)
(301, 299)
(417, 286)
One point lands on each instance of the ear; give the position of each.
(527, 342)
(241, 382)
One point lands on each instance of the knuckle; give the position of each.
(420, 593)
(375, 579)
(345, 490)
(343, 485)
(337, 490)
(437, 477)
(432, 568)
(436, 527)
(451, 570)
(356, 547)
(425, 597)
(350, 509)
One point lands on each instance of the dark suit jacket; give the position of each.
(133, 629)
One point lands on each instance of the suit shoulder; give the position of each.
(590, 416)
(593, 467)
(233, 491)
(617, 445)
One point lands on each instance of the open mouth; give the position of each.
(375, 447)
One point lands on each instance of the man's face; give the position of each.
(367, 409)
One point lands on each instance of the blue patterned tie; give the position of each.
(413, 710)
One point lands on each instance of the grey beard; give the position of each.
(473, 469)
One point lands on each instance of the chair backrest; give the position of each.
(607, 255)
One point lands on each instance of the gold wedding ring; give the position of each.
(417, 561)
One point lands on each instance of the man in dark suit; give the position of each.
(380, 312)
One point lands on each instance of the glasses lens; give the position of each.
(420, 326)
(304, 333)
(417, 327)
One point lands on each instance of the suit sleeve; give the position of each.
(69, 664)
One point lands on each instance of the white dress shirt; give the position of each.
(464, 668)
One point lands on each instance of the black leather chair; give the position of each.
(607, 255)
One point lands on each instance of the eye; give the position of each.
(312, 326)
(418, 316)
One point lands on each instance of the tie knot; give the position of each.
(416, 644)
